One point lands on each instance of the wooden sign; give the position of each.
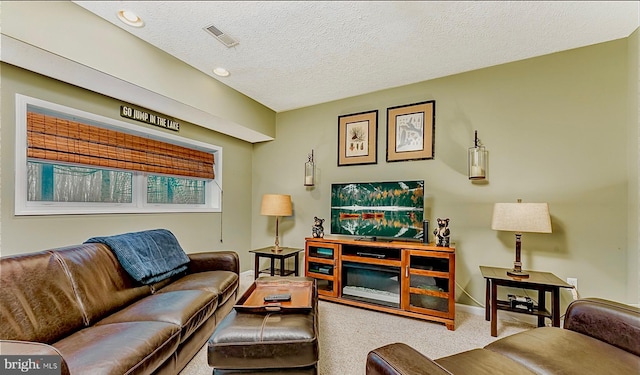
(148, 118)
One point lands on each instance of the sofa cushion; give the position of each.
(538, 350)
(222, 283)
(103, 286)
(38, 302)
(119, 348)
(481, 362)
(187, 309)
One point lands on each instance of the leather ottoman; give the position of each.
(266, 342)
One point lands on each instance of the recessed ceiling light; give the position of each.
(222, 72)
(130, 18)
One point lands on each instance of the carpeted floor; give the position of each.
(347, 334)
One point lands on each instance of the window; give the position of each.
(73, 162)
(164, 189)
(49, 182)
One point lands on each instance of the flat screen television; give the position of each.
(378, 210)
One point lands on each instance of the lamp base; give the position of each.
(517, 265)
(518, 273)
(276, 249)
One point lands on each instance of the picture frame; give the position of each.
(358, 138)
(411, 131)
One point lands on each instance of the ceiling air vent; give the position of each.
(222, 37)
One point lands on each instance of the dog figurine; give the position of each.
(442, 232)
(317, 230)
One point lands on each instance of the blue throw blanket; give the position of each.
(148, 256)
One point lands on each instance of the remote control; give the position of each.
(277, 297)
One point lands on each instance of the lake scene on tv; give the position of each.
(391, 210)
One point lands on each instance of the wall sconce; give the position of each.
(477, 160)
(309, 170)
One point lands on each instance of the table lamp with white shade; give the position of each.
(521, 218)
(276, 205)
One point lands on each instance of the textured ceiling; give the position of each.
(293, 54)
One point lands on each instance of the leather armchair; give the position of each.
(598, 337)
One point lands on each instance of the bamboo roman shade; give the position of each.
(62, 140)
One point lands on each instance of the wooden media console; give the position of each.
(398, 277)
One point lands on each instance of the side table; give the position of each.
(541, 281)
(286, 252)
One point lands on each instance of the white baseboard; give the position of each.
(475, 310)
(246, 273)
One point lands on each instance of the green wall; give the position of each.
(555, 128)
(633, 164)
(195, 231)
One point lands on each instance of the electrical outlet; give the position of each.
(572, 281)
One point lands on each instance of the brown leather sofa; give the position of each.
(598, 337)
(79, 303)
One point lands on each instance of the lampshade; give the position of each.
(521, 217)
(276, 205)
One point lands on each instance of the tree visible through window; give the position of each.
(66, 183)
(175, 190)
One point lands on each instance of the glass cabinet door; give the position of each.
(321, 264)
(427, 283)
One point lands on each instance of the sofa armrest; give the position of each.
(614, 323)
(28, 348)
(401, 359)
(214, 261)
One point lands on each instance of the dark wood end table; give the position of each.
(282, 255)
(541, 281)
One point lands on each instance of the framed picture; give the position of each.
(357, 138)
(410, 131)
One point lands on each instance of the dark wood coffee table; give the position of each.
(541, 281)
